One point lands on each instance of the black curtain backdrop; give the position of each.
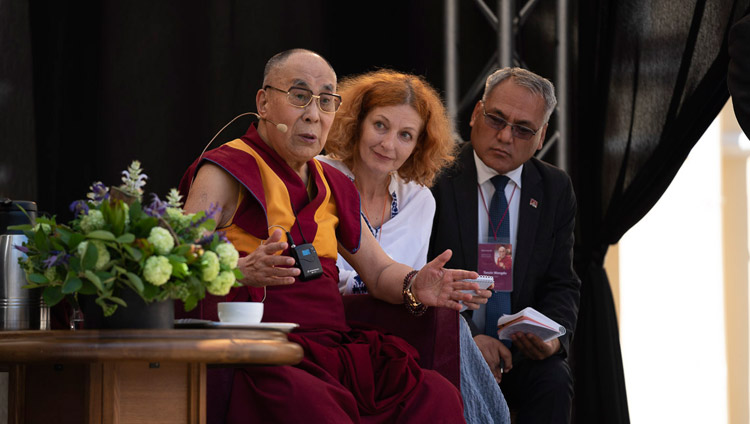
(86, 87)
(651, 77)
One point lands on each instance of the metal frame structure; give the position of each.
(507, 24)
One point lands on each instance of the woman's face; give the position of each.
(389, 135)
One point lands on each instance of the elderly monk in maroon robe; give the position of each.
(268, 181)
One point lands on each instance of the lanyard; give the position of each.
(486, 209)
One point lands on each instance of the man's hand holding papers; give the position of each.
(531, 332)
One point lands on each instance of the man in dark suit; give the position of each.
(508, 126)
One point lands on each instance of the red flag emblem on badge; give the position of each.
(533, 203)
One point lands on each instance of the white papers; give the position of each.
(529, 320)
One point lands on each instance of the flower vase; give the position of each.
(141, 315)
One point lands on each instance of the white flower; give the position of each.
(228, 255)
(174, 199)
(210, 265)
(157, 270)
(93, 221)
(161, 239)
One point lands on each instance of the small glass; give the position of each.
(76, 315)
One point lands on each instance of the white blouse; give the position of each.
(405, 237)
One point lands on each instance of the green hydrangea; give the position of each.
(102, 257)
(228, 255)
(221, 285)
(161, 239)
(93, 221)
(157, 270)
(210, 265)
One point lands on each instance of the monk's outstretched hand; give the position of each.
(437, 286)
(264, 267)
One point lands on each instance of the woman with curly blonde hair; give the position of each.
(392, 137)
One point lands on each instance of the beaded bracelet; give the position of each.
(414, 306)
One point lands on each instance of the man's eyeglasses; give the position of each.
(301, 97)
(498, 123)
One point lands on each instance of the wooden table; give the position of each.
(126, 376)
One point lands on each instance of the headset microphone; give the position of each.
(281, 127)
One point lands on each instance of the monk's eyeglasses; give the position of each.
(301, 97)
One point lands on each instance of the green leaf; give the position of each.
(118, 301)
(176, 259)
(72, 285)
(106, 278)
(52, 295)
(57, 244)
(23, 227)
(190, 303)
(94, 279)
(238, 274)
(64, 235)
(38, 278)
(142, 228)
(40, 240)
(135, 211)
(101, 235)
(134, 252)
(150, 291)
(75, 240)
(182, 249)
(117, 217)
(136, 281)
(89, 257)
(126, 238)
(87, 288)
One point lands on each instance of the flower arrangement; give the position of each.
(116, 243)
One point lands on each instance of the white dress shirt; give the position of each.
(487, 189)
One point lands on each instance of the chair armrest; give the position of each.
(434, 334)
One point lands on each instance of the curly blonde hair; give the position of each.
(361, 94)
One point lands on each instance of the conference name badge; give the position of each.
(496, 260)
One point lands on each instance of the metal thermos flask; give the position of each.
(20, 309)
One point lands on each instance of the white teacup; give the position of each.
(240, 312)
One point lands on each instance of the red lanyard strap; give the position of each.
(486, 209)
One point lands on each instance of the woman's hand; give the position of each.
(264, 267)
(437, 286)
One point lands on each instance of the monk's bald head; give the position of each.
(278, 60)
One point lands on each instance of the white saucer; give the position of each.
(201, 323)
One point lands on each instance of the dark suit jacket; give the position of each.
(738, 76)
(543, 275)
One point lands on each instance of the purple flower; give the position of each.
(58, 258)
(23, 249)
(99, 192)
(157, 207)
(222, 236)
(212, 212)
(79, 207)
(206, 240)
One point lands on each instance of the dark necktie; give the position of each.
(499, 304)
